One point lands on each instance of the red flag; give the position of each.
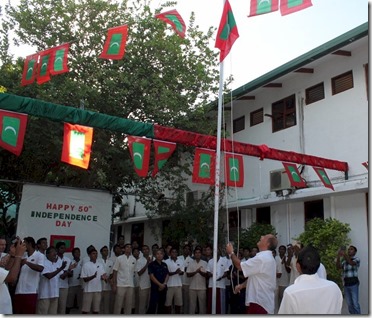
(139, 149)
(114, 47)
(294, 175)
(365, 164)
(259, 7)
(77, 143)
(173, 18)
(43, 70)
(291, 6)
(29, 69)
(204, 166)
(163, 150)
(324, 177)
(59, 59)
(227, 32)
(12, 131)
(234, 170)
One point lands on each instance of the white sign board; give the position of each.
(78, 217)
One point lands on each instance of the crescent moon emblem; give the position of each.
(30, 69)
(262, 1)
(235, 169)
(44, 65)
(204, 164)
(10, 128)
(58, 58)
(137, 154)
(114, 43)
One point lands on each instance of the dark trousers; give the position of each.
(157, 301)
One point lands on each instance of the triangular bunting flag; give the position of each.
(324, 177)
(294, 175)
(77, 143)
(12, 130)
(234, 170)
(114, 47)
(139, 149)
(29, 69)
(163, 150)
(227, 32)
(365, 164)
(173, 18)
(43, 70)
(291, 6)
(59, 59)
(263, 6)
(204, 166)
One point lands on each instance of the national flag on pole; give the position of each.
(294, 175)
(204, 166)
(12, 130)
(114, 47)
(59, 59)
(77, 143)
(324, 177)
(44, 66)
(173, 18)
(29, 69)
(163, 150)
(234, 170)
(291, 6)
(227, 32)
(259, 7)
(365, 164)
(139, 149)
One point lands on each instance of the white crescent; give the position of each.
(262, 1)
(11, 128)
(234, 168)
(137, 154)
(30, 69)
(44, 65)
(58, 58)
(204, 164)
(114, 43)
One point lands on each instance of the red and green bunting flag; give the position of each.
(324, 177)
(12, 130)
(44, 66)
(291, 6)
(77, 143)
(114, 47)
(261, 7)
(234, 170)
(365, 164)
(163, 150)
(29, 69)
(59, 59)
(227, 32)
(294, 175)
(173, 18)
(139, 149)
(204, 166)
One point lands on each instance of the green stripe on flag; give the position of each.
(115, 42)
(138, 153)
(58, 61)
(294, 3)
(263, 7)
(10, 130)
(77, 144)
(30, 69)
(205, 166)
(234, 169)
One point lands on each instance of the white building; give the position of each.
(316, 104)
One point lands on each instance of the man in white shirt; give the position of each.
(311, 294)
(75, 288)
(144, 282)
(261, 273)
(107, 304)
(186, 259)
(283, 280)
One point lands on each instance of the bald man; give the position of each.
(261, 273)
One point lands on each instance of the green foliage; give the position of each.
(327, 236)
(249, 237)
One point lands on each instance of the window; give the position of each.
(314, 93)
(314, 209)
(138, 233)
(284, 113)
(239, 124)
(342, 82)
(263, 215)
(234, 221)
(257, 117)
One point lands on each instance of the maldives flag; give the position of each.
(263, 6)
(69, 241)
(114, 47)
(204, 166)
(44, 66)
(29, 69)
(173, 18)
(294, 175)
(77, 143)
(324, 178)
(291, 6)
(12, 129)
(227, 32)
(163, 150)
(234, 170)
(139, 149)
(59, 59)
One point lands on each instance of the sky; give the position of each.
(270, 40)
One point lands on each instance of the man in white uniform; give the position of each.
(143, 280)
(311, 294)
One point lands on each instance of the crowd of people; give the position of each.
(39, 279)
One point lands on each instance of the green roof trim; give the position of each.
(320, 51)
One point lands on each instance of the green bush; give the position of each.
(249, 237)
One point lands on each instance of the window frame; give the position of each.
(287, 117)
(254, 115)
(347, 78)
(318, 95)
(239, 120)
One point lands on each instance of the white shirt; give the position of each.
(322, 273)
(284, 279)
(261, 284)
(63, 283)
(222, 267)
(174, 280)
(107, 266)
(294, 272)
(313, 295)
(28, 282)
(125, 267)
(89, 268)
(49, 288)
(5, 300)
(75, 279)
(185, 280)
(197, 282)
(144, 279)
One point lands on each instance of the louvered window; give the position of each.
(342, 82)
(284, 113)
(257, 117)
(239, 124)
(314, 93)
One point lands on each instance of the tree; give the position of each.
(327, 236)
(250, 237)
